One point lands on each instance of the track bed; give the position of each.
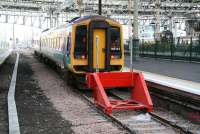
(5, 78)
(81, 116)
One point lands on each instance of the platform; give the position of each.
(176, 69)
(4, 55)
(179, 84)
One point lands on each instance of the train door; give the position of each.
(99, 41)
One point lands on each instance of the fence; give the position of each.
(179, 51)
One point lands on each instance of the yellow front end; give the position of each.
(81, 62)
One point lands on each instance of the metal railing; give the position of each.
(179, 51)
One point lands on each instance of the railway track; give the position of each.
(165, 117)
(138, 122)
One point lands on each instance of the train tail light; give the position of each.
(115, 56)
(83, 57)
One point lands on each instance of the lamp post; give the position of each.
(154, 29)
(14, 35)
(135, 39)
(175, 32)
(155, 38)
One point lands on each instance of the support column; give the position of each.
(170, 23)
(32, 32)
(14, 35)
(130, 34)
(135, 42)
(57, 19)
(6, 19)
(40, 22)
(100, 7)
(51, 18)
(135, 23)
(24, 20)
(157, 29)
(80, 2)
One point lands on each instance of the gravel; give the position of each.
(36, 113)
(83, 118)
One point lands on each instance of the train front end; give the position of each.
(98, 45)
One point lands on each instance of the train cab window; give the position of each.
(80, 48)
(115, 48)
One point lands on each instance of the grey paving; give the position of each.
(176, 69)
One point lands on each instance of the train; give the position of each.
(5, 51)
(90, 51)
(85, 44)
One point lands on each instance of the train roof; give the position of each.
(80, 19)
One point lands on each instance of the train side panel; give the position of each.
(53, 45)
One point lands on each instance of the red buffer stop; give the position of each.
(140, 98)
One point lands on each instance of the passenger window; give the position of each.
(115, 42)
(57, 43)
(54, 43)
(45, 43)
(59, 46)
(80, 49)
(41, 42)
(51, 42)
